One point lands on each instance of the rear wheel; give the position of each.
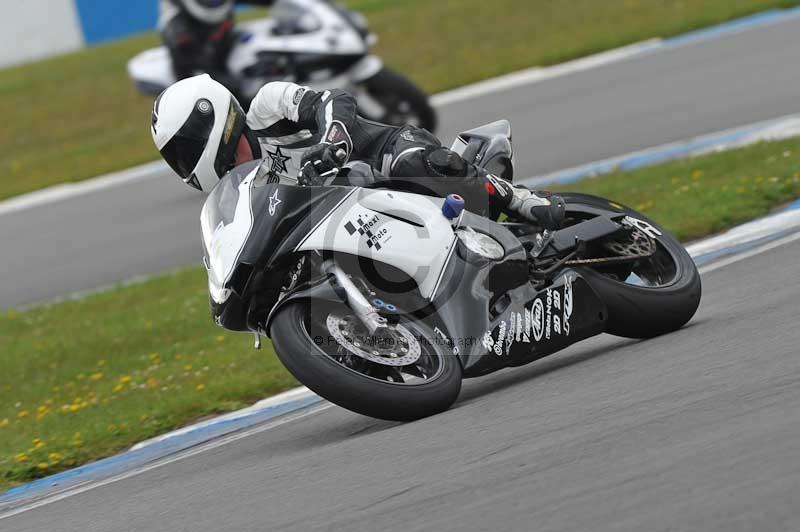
(402, 375)
(655, 294)
(391, 98)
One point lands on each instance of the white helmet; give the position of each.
(196, 125)
(209, 11)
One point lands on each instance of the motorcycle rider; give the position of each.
(306, 136)
(199, 34)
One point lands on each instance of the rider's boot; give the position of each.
(537, 207)
(446, 166)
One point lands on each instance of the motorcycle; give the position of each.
(382, 301)
(316, 43)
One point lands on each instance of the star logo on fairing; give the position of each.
(277, 164)
(273, 203)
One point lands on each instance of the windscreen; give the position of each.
(293, 17)
(226, 221)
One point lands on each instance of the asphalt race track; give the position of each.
(696, 430)
(149, 226)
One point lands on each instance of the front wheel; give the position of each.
(657, 294)
(402, 375)
(391, 98)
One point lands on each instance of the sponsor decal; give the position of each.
(229, 126)
(375, 236)
(488, 341)
(526, 337)
(568, 299)
(567, 304)
(538, 320)
(338, 136)
(273, 203)
(642, 226)
(407, 135)
(511, 330)
(277, 164)
(547, 316)
(298, 96)
(333, 133)
(498, 346)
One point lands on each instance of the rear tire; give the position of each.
(355, 391)
(402, 100)
(639, 311)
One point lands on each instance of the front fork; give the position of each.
(364, 311)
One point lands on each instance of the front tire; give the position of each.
(306, 348)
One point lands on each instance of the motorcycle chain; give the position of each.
(638, 247)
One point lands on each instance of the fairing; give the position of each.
(487, 311)
(491, 308)
(248, 224)
(407, 231)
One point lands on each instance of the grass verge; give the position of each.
(698, 197)
(78, 116)
(85, 379)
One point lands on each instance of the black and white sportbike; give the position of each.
(317, 43)
(382, 301)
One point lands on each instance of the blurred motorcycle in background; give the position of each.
(316, 43)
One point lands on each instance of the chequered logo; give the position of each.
(363, 230)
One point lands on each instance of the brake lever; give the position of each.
(340, 155)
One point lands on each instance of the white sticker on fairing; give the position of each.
(642, 226)
(510, 336)
(488, 341)
(537, 324)
(547, 316)
(498, 346)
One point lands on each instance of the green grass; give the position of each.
(78, 116)
(697, 197)
(85, 379)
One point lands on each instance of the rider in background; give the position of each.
(199, 35)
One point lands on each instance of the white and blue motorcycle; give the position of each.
(310, 42)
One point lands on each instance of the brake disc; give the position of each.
(637, 244)
(398, 348)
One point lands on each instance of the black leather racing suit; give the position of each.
(196, 46)
(286, 119)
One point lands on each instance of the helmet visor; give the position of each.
(234, 127)
(184, 149)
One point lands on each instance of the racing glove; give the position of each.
(320, 164)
